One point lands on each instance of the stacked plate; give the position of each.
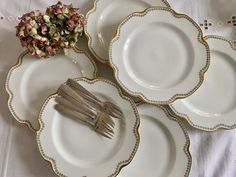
(157, 55)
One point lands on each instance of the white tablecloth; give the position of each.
(213, 154)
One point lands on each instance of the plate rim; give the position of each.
(10, 94)
(220, 126)
(90, 39)
(121, 164)
(186, 147)
(200, 38)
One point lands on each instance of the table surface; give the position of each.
(213, 154)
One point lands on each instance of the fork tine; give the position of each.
(108, 128)
(114, 110)
(106, 131)
(106, 118)
(105, 134)
(109, 121)
(111, 125)
(108, 124)
(109, 135)
(103, 131)
(101, 123)
(115, 115)
(119, 114)
(115, 107)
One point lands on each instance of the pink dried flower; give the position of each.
(68, 21)
(44, 28)
(32, 32)
(48, 34)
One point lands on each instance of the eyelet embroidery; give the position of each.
(10, 18)
(206, 25)
(232, 20)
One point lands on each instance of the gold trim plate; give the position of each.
(200, 39)
(177, 114)
(188, 142)
(91, 11)
(186, 146)
(135, 128)
(11, 95)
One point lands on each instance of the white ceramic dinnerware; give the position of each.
(213, 105)
(32, 80)
(75, 150)
(104, 19)
(163, 149)
(159, 55)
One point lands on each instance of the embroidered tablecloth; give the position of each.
(213, 154)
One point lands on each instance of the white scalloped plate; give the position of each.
(159, 55)
(75, 150)
(32, 80)
(163, 149)
(213, 105)
(104, 19)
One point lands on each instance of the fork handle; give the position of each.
(70, 113)
(89, 97)
(81, 109)
(73, 96)
(81, 89)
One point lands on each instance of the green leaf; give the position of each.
(46, 18)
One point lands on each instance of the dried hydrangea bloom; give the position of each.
(33, 34)
(49, 34)
(69, 24)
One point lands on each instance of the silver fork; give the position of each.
(72, 105)
(107, 106)
(78, 103)
(99, 126)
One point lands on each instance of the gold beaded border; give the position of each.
(231, 43)
(89, 37)
(166, 3)
(188, 142)
(27, 123)
(175, 113)
(121, 164)
(11, 95)
(200, 39)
